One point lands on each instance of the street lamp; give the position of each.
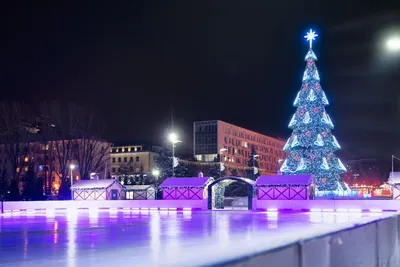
(71, 167)
(393, 44)
(220, 160)
(173, 138)
(155, 173)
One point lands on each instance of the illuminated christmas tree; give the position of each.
(312, 145)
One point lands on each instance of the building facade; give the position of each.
(47, 159)
(209, 137)
(132, 161)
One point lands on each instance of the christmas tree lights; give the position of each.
(311, 146)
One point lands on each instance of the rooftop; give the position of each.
(284, 180)
(185, 182)
(94, 184)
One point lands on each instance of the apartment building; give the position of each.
(132, 160)
(209, 137)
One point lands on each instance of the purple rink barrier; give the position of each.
(104, 204)
(260, 205)
(327, 205)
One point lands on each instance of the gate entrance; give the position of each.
(214, 195)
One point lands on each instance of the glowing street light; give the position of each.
(155, 173)
(71, 167)
(173, 138)
(393, 44)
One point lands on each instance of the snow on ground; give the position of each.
(156, 238)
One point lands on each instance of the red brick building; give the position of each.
(209, 137)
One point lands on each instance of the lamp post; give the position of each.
(173, 138)
(394, 157)
(71, 167)
(220, 160)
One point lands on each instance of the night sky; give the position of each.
(237, 61)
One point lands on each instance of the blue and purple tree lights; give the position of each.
(312, 145)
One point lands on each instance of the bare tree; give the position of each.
(16, 129)
(59, 130)
(91, 152)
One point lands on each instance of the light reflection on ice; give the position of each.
(166, 237)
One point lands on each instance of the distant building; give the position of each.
(132, 161)
(44, 159)
(209, 137)
(364, 171)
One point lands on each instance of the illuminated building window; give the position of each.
(26, 159)
(26, 169)
(122, 149)
(18, 169)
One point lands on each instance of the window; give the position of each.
(125, 159)
(137, 159)
(26, 169)
(122, 149)
(114, 150)
(119, 159)
(131, 159)
(113, 169)
(131, 168)
(26, 159)
(18, 169)
(119, 170)
(113, 160)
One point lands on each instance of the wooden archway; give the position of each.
(247, 181)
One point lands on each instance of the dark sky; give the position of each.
(238, 61)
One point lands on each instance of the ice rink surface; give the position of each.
(156, 238)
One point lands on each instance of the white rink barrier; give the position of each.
(15, 206)
(370, 244)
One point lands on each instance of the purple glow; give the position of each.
(168, 238)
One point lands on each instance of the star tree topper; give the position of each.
(311, 37)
